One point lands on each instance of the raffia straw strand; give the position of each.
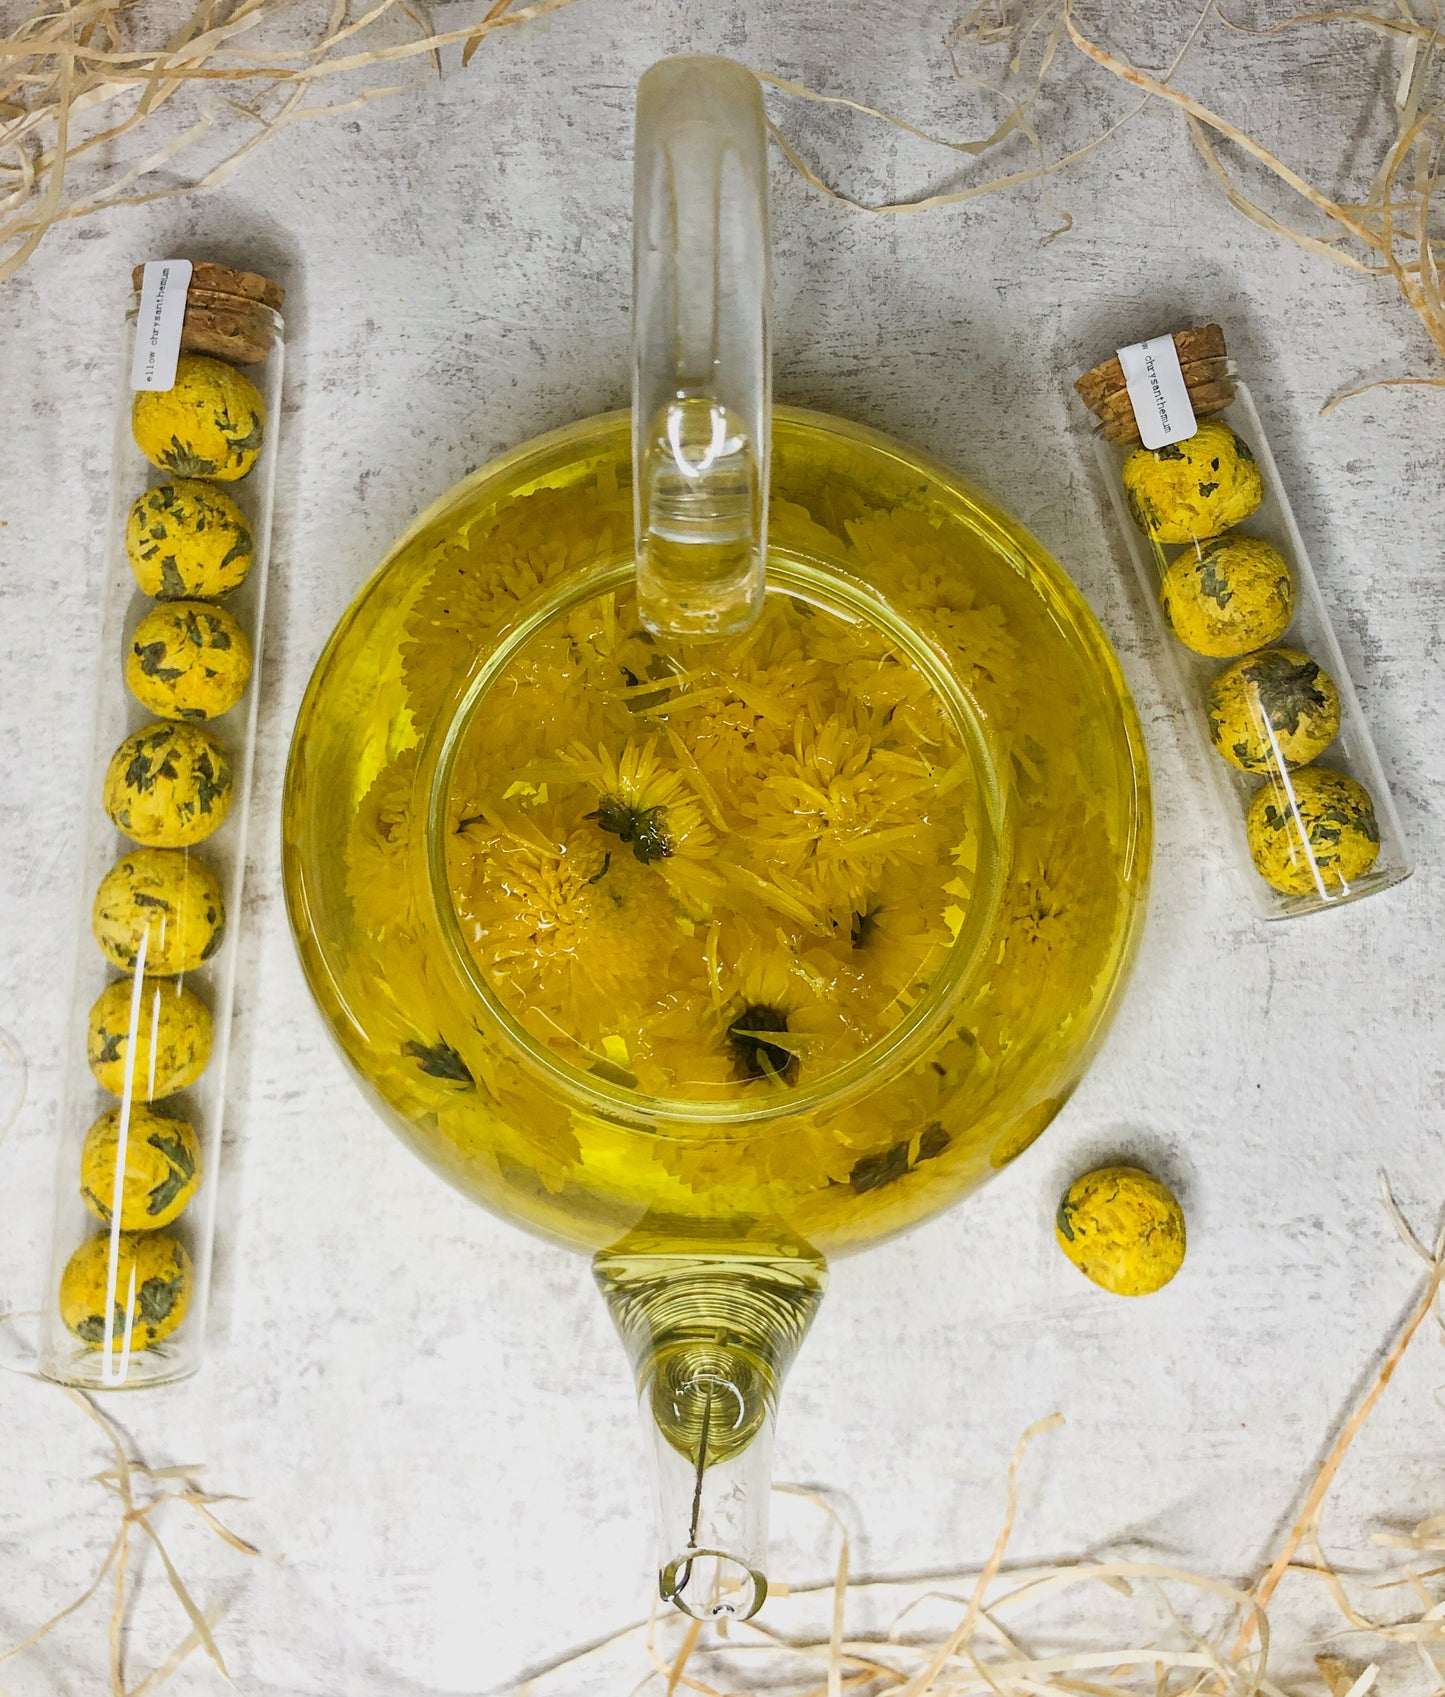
(119, 1480)
(63, 69)
(956, 197)
(991, 1566)
(1372, 224)
(689, 1640)
(1196, 109)
(959, 1668)
(158, 1676)
(1325, 1478)
(840, 1584)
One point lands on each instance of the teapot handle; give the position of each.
(701, 381)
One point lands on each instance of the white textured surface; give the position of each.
(426, 1409)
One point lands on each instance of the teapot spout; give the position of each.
(711, 1338)
(701, 379)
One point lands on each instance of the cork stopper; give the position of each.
(1204, 361)
(229, 313)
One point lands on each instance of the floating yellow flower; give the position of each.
(737, 712)
(775, 1017)
(378, 870)
(642, 804)
(900, 940)
(423, 1024)
(574, 927)
(504, 559)
(916, 565)
(609, 882)
(833, 812)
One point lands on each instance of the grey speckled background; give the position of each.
(427, 1410)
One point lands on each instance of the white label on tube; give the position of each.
(1158, 392)
(158, 323)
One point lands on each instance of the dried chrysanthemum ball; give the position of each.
(1123, 1229)
(210, 424)
(1325, 841)
(168, 785)
(169, 1048)
(149, 1299)
(188, 661)
(168, 900)
(1228, 597)
(186, 538)
(1278, 705)
(158, 1176)
(1192, 490)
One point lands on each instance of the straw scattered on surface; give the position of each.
(82, 81)
(990, 1652)
(982, 1631)
(140, 1492)
(1393, 230)
(79, 78)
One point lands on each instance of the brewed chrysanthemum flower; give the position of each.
(641, 803)
(576, 926)
(836, 810)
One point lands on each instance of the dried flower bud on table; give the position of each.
(1123, 1229)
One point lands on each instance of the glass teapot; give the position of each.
(716, 844)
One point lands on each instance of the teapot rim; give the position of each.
(792, 573)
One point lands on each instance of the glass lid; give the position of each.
(729, 873)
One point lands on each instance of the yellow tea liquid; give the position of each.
(773, 945)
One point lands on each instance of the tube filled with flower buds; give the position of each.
(186, 560)
(1305, 809)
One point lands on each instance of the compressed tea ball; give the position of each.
(186, 538)
(172, 1039)
(1123, 1229)
(211, 424)
(168, 785)
(1189, 491)
(160, 1173)
(1276, 705)
(151, 1294)
(188, 661)
(1325, 841)
(168, 900)
(1229, 597)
